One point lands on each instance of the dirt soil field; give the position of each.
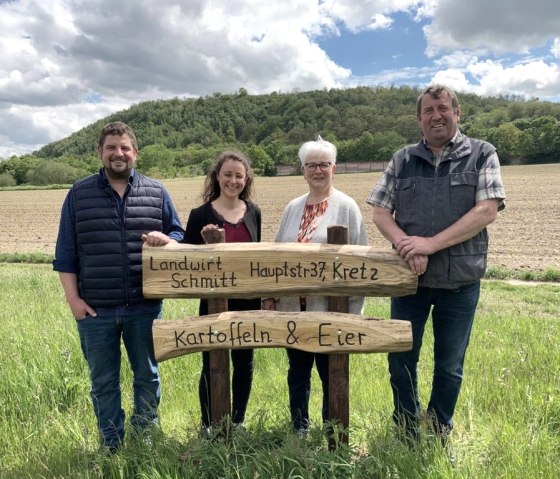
(526, 235)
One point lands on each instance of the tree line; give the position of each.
(182, 136)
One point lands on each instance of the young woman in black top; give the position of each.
(227, 204)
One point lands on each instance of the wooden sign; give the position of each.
(323, 332)
(253, 270)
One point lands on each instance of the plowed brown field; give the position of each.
(526, 235)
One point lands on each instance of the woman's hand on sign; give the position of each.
(269, 304)
(207, 233)
(209, 227)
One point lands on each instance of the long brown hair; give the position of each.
(211, 188)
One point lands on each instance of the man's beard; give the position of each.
(118, 174)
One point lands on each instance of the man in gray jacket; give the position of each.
(433, 204)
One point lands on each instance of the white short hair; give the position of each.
(317, 148)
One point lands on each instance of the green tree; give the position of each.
(90, 163)
(18, 167)
(554, 140)
(506, 140)
(345, 151)
(6, 179)
(539, 138)
(386, 144)
(547, 127)
(493, 118)
(268, 127)
(206, 165)
(54, 173)
(261, 163)
(291, 156)
(157, 161)
(276, 150)
(364, 147)
(407, 126)
(238, 120)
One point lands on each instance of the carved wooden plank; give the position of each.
(253, 270)
(323, 332)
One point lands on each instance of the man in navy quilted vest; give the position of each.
(433, 204)
(105, 220)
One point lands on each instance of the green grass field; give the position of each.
(507, 419)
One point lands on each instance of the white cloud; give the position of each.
(498, 27)
(36, 126)
(532, 79)
(67, 63)
(457, 59)
(57, 55)
(464, 41)
(484, 30)
(535, 79)
(359, 15)
(380, 22)
(555, 50)
(452, 78)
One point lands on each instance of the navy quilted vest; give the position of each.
(110, 244)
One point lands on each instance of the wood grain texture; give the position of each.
(324, 332)
(253, 270)
(219, 380)
(339, 364)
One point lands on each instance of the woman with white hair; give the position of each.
(305, 219)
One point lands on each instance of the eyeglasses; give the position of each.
(313, 166)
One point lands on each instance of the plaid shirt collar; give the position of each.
(446, 149)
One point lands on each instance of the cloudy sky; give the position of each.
(67, 63)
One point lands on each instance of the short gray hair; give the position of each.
(318, 147)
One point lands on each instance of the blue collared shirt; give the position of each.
(66, 254)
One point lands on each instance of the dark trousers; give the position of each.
(299, 384)
(242, 379)
(452, 319)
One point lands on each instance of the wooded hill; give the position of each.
(181, 137)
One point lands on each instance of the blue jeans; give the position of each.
(100, 338)
(299, 385)
(452, 318)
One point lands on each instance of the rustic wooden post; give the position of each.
(338, 363)
(218, 387)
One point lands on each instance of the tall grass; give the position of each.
(507, 419)
(31, 258)
(549, 275)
